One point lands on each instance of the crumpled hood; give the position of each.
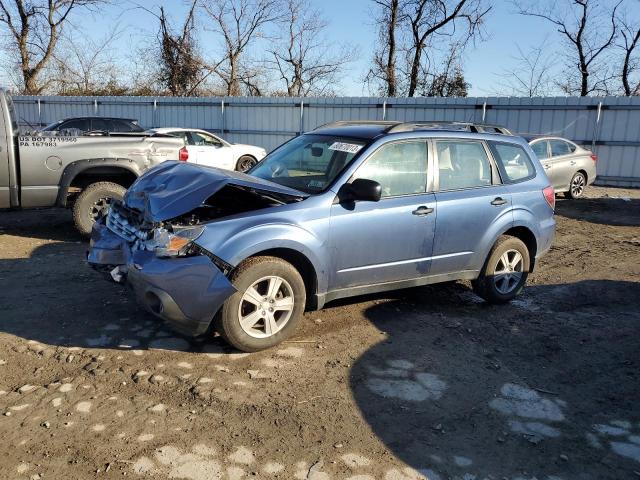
(174, 188)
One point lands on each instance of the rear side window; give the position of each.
(76, 124)
(400, 168)
(101, 124)
(462, 164)
(560, 147)
(540, 149)
(513, 162)
(183, 135)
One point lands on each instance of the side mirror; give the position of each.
(361, 189)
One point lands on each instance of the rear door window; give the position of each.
(204, 140)
(101, 124)
(183, 135)
(560, 147)
(400, 168)
(75, 124)
(462, 164)
(541, 149)
(513, 162)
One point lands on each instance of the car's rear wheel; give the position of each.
(577, 186)
(505, 271)
(245, 163)
(93, 203)
(267, 306)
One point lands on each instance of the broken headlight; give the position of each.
(173, 244)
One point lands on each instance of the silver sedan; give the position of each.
(570, 167)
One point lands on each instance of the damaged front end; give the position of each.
(149, 240)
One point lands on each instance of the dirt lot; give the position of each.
(429, 382)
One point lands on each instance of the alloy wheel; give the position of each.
(577, 185)
(508, 271)
(246, 164)
(266, 307)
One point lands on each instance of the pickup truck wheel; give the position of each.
(267, 306)
(93, 203)
(504, 272)
(245, 162)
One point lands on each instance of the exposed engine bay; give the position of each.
(230, 200)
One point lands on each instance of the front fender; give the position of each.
(248, 242)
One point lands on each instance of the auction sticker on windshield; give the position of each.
(345, 147)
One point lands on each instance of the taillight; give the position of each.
(183, 154)
(594, 157)
(550, 196)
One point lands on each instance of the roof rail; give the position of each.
(448, 125)
(343, 123)
(396, 127)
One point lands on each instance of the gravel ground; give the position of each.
(421, 383)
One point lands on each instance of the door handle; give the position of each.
(573, 162)
(422, 210)
(498, 201)
(547, 167)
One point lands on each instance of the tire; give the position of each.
(92, 203)
(260, 325)
(245, 162)
(506, 286)
(577, 186)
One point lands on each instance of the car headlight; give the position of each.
(173, 244)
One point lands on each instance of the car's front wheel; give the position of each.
(505, 271)
(267, 306)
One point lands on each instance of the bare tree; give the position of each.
(421, 44)
(630, 34)
(88, 66)
(181, 68)
(383, 71)
(531, 73)
(432, 20)
(241, 23)
(582, 24)
(34, 29)
(445, 80)
(302, 57)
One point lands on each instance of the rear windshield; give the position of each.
(309, 163)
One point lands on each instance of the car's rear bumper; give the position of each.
(186, 292)
(546, 234)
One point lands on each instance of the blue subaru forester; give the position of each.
(346, 209)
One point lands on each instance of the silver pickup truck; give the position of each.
(80, 172)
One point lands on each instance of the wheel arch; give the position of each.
(528, 238)
(82, 173)
(583, 172)
(301, 263)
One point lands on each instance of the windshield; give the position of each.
(309, 163)
(52, 126)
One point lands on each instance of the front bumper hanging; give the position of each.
(186, 291)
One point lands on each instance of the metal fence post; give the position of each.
(39, 114)
(384, 110)
(154, 118)
(222, 117)
(95, 106)
(596, 128)
(301, 117)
